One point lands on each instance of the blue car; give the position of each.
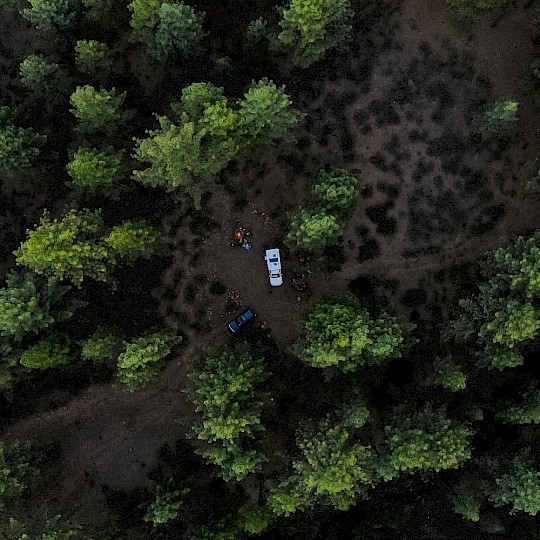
(240, 321)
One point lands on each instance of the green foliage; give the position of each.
(93, 169)
(101, 12)
(143, 357)
(499, 117)
(502, 315)
(54, 529)
(103, 345)
(210, 133)
(313, 231)
(11, 370)
(424, 441)
(39, 75)
(98, 110)
(77, 246)
(519, 486)
(473, 8)
(338, 331)
(335, 194)
(257, 31)
(336, 191)
(313, 27)
(527, 411)
(448, 374)
(225, 392)
(93, 57)
(144, 17)
(265, 113)
(48, 353)
(129, 240)
(52, 15)
(68, 248)
(15, 472)
(179, 32)
(256, 519)
(166, 504)
(19, 147)
(29, 304)
(333, 469)
(466, 504)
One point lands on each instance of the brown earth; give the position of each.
(437, 198)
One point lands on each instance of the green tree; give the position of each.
(179, 32)
(93, 169)
(144, 18)
(424, 441)
(338, 331)
(143, 357)
(448, 374)
(166, 504)
(333, 468)
(265, 113)
(29, 304)
(16, 470)
(466, 503)
(209, 134)
(502, 315)
(102, 346)
(40, 75)
(336, 191)
(98, 110)
(257, 32)
(78, 246)
(51, 352)
(226, 392)
(54, 529)
(519, 486)
(19, 147)
(525, 411)
(129, 241)
(52, 15)
(93, 58)
(11, 370)
(68, 248)
(499, 117)
(313, 231)
(312, 27)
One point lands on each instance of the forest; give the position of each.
(387, 390)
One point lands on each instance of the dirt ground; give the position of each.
(396, 110)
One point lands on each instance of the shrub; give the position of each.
(92, 169)
(93, 57)
(39, 75)
(166, 504)
(15, 472)
(143, 357)
(102, 346)
(499, 117)
(336, 191)
(98, 110)
(48, 353)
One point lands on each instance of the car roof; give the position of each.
(272, 259)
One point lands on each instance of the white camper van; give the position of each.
(273, 261)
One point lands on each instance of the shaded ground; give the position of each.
(398, 111)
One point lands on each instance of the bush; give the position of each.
(526, 411)
(15, 471)
(92, 169)
(313, 231)
(448, 374)
(166, 504)
(29, 304)
(336, 191)
(519, 486)
(129, 241)
(93, 58)
(102, 346)
(499, 117)
(312, 27)
(98, 110)
(143, 357)
(473, 8)
(19, 147)
(424, 441)
(49, 353)
(338, 331)
(39, 75)
(179, 32)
